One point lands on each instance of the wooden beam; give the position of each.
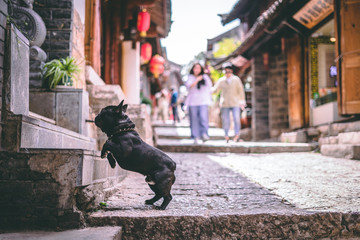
(137, 3)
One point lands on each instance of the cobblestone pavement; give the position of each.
(202, 187)
(208, 183)
(243, 196)
(308, 180)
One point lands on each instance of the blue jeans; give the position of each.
(225, 118)
(199, 121)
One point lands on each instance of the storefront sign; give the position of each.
(314, 12)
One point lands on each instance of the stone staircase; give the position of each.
(344, 145)
(176, 138)
(340, 140)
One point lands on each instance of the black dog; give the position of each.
(125, 147)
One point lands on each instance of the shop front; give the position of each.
(325, 68)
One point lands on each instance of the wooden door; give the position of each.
(295, 83)
(348, 52)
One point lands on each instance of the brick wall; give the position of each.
(260, 99)
(278, 95)
(57, 16)
(270, 97)
(3, 15)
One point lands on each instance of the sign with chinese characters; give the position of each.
(314, 12)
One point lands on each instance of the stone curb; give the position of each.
(255, 226)
(233, 149)
(94, 233)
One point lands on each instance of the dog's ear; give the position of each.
(124, 108)
(120, 107)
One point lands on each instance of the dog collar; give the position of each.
(121, 130)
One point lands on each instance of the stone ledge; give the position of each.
(349, 138)
(348, 151)
(214, 146)
(245, 226)
(104, 233)
(36, 133)
(92, 77)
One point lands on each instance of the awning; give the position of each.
(240, 10)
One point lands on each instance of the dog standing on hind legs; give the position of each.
(125, 147)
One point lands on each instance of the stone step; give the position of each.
(328, 140)
(160, 225)
(342, 138)
(185, 133)
(349, 151)
(31, 132)
(93, 233)
(349, 138)
(211, 146)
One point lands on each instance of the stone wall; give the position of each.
(51, 187)
(3, 15)
(58, 16)
(278, 95)
(260, 99)
(78, 50)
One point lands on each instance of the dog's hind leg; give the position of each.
(164, 181)
(155, 198)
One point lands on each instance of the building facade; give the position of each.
(304, 62)
(51, 171)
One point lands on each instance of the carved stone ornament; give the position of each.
(29, 22)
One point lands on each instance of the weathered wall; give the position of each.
(43, 194)
(78, 51)
(51, 185)
(278, 96)
(260, 99)
(58, 16)
(3, 15)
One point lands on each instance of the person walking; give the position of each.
(173, 102)
(163, 106)
(199, 98)
(232, 99)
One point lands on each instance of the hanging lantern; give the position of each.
(146, 52)
(143, 23)
(157, 65)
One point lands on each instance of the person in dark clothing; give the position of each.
(174, 98)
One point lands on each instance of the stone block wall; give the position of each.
(3, 15)
(40, 197)
(260, 99)
(58, 16)
(51, 187)
(278, 95)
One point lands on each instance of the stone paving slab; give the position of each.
(309, 181)
(217, 201)
(219, 146)
(96, 233)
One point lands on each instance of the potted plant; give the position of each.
(59, 72)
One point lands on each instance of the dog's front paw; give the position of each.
(104, 154)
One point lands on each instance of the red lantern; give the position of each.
(146, 52)
(157, 65)
(143, 23)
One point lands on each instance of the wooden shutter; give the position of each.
(348, 52)
(295, 83)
